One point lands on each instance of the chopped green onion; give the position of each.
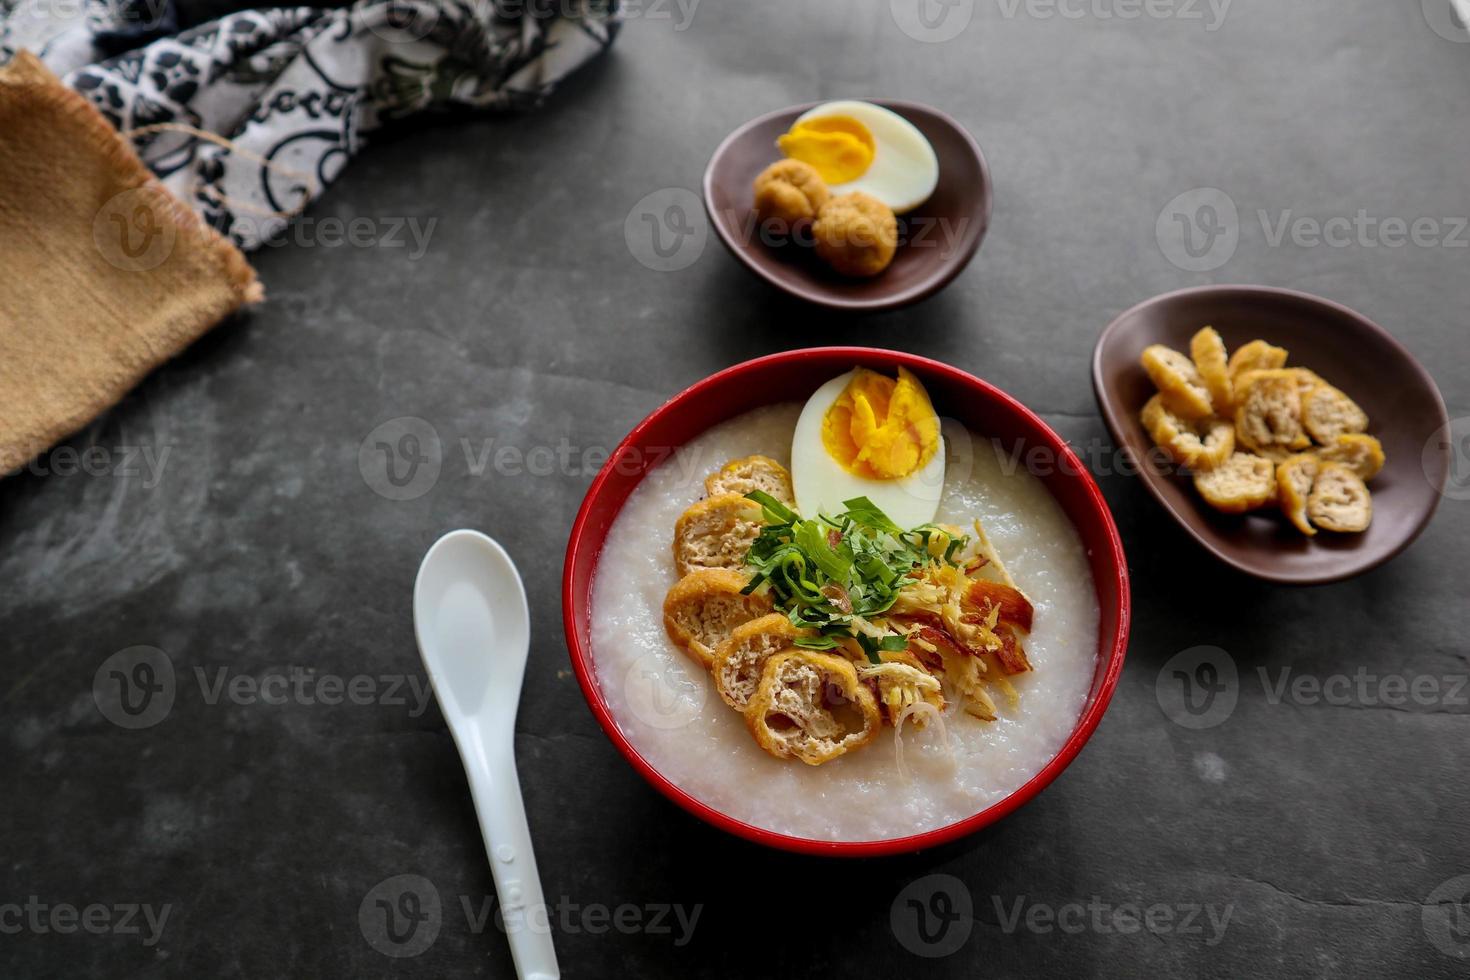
(860, 551)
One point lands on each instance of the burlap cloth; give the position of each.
(104, 275)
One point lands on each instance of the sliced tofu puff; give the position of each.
(741, 476)
(1294, 479)
(716, 533)
(1199, 444)
(1256, 356)
(1359, 452)
(704, 608)
(1275, 433)
(1242, 483)
(1268, 416)
(1328, 413)
(812, 707)
(1340, 501)
(1178, 380)
(1207, 350)
(738, 661)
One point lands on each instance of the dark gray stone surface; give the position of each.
(1321, 829)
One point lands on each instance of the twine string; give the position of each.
(308, 191)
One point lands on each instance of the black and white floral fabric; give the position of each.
(294, 90)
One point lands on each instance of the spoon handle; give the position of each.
(496, 791)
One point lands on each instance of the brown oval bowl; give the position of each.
(937, 239)
(1348, 350)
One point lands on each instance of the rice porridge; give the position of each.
(667, 706)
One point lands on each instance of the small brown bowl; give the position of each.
(936, 240)
(1353, 353)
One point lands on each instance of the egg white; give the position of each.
(821, 484)
(904, 171)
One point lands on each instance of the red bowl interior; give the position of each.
(982, 407)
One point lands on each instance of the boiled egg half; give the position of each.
(858, 146)
(865, 434)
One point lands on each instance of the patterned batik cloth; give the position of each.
(294, 90)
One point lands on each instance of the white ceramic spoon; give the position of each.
(469, 613)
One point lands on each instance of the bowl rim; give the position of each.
(1086, 723)
(1108, 412)
(913, 294)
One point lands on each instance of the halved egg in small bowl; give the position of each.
(918, 161)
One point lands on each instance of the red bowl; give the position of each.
(982, 407)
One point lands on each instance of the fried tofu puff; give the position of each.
(716, 533)
(1178, 381)
(752, 473)
(740, 660)
(812, 707)
(704, 608)
(788, 192)
(1294, 478)
(1340, 501)
(856, 234)
(1200, 444)
(1241, 483)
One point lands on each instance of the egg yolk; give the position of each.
(881, 428)
(839, 147)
